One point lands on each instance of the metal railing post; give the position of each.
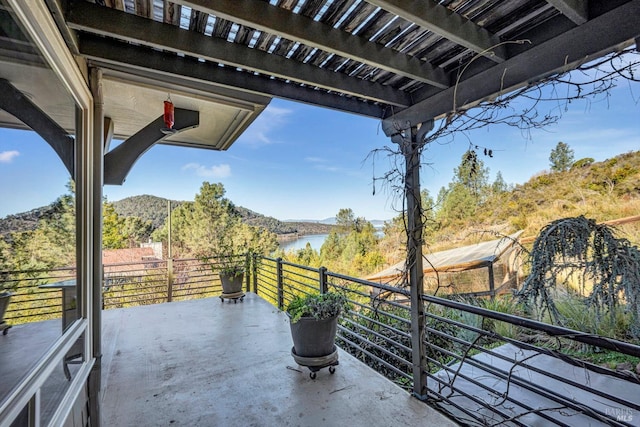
(169, 280)
(324, 287)
(247, 269)
(254, 269)
(280, 285)
(492, 285)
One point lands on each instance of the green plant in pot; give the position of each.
(211, 229)
(314, 322)
(6, 291)
(227, 263)
(231, 276)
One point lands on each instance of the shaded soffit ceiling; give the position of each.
(131, 100)
(388, 59)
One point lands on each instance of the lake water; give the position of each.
(316, 241)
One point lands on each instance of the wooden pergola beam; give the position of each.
(440, 20)
(119, 161)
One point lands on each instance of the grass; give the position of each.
(610, 359)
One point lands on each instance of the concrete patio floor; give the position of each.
(207, 363)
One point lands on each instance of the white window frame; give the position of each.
(41, 28)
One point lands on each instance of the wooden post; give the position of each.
(411, 150)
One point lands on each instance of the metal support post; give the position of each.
(280, 284)
(97, 278)
(324, 286)
(169, 280)
(254, 269)
(492, 285)
(247, 269)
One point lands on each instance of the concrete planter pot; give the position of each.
(313, 320)
(314, 338)
(314, 343)
(231, 283)
(4, 303)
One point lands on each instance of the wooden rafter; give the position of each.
(442, 21)
(575, 10)
(131, 28)
(298, 28)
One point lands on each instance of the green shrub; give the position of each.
(318, 306)
(582, 163)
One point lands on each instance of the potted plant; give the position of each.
(314, 322)
(5, 297)
(231, 272)
(231, 277)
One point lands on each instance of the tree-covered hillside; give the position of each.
(154, 209)
(602, 191)
(145, 207)
(25, 221)
(460, 214)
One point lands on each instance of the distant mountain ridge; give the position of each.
(25, 221)
(604, 190)
(332, 221)
(155, 209)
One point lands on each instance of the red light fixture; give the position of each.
(169, 117)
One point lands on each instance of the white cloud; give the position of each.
(325, 165)
(314, 160)
(8, 156)
(215, 171)
(260, 131)
(327, 168)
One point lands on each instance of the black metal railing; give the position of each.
(482, 366)
(30, 300)
(125, 285)
(521, 371)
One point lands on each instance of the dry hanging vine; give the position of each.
(610, 265)
(614, 269)
(588, 82)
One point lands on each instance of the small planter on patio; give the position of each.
(314, 322)
(5, 296)
(232, 280)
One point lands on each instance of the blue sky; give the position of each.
(302, 162)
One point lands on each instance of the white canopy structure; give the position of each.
(465, 258)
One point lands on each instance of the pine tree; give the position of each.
(561, 157)
(499, 185)
(466, 192)
(472, 174)
(212, 226)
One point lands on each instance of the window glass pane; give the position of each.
(37, 205)
(60, 379)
